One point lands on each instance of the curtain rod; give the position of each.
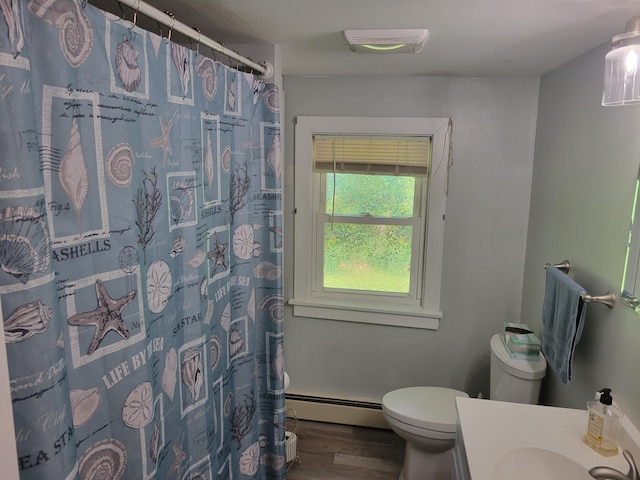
(266, 70)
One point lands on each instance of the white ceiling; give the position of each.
(467, 37)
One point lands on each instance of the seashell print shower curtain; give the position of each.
(140, 253)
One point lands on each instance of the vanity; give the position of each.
(500, 440)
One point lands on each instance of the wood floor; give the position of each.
(341, 452)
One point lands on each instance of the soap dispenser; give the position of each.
(603, 424)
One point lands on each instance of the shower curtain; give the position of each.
(140, 253)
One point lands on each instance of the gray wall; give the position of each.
(586, 162)
(485, 236)
(581, 182)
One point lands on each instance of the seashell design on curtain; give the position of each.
(140, 253)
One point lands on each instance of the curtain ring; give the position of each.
(135, 14)
(173, 22)
(198, 41)
(84, 4)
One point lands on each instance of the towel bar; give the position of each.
(608, 299)
(563, 266)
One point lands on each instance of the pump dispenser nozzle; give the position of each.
(605, 396)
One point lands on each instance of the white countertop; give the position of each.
(490, 428)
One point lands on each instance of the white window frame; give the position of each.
(363, 308)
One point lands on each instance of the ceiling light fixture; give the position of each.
(621, 67)
(386, 41)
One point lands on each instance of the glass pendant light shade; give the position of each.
(622, 67)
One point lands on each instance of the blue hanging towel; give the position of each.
(563, 313)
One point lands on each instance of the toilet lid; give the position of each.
(432, 408)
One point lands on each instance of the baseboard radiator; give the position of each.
(336, 410)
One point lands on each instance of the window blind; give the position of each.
(375, 155)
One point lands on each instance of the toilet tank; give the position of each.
(514, 380)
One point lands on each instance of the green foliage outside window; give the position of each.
(368, 256)
(377, 195)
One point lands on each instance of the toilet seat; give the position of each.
(429, 408)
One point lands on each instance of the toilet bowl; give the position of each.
(426, 418)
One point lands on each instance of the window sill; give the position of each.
(378, 315)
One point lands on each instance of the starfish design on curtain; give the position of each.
(163, 140)
(180, 457)
(107, 317)
(217, 255)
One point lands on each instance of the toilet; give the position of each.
(426, 417)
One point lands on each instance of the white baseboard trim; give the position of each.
(319, 411)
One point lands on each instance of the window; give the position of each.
(371, 215)
(368, 231)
